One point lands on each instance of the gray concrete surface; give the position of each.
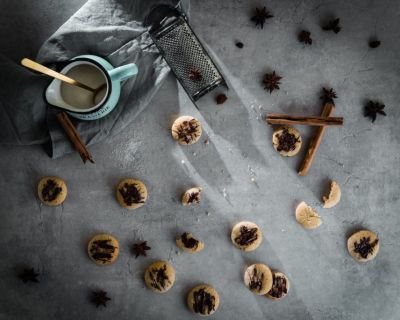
(362, 157)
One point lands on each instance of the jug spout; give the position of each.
(124, 72)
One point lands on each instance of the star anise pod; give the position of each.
(28, 275)
(373, 108)
(328, 95)
(271, 81)
(221, 98)
(195, 74)
(374, 44)
(261, 16)
(99, 298)
(304, 36)
(332, 25)
(139, 249)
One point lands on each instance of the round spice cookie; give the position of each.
(203, 300)
(363, 245)
(103, 249)
(159, 276)
(52, 191)
(246, 235)
(131, 193)
(280, 286)
(188, 243)
(307, 216)
(186, 130)
(287, 141)
(192, 195)
(333, 198)
(258, 278)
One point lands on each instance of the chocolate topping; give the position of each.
(187, 130)
(189, 242)
(279, 287)
(203, 302)
(102, 250)
(194, 197)
(365, 247)
(286, 141)
(50, 190)
(247, 236)
(256, 280)
(159, 277)
(131, 194)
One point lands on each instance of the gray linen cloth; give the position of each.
(112, 29)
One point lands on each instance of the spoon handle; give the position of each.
(42, 69)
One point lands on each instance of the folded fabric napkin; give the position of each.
(112, 29)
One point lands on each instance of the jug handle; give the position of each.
(124, 72)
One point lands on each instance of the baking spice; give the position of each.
(373, 108)
(239, 44)
(189, 242)
(261, 15)
(158, 277)
(221, 98)
(188, 130)
(279, 287)
(28, 275)
(131, 194)
(102, 250)
(195, 74)
(365, 247)
(374, 44)
(304, 36)
(194, 197)
(271, 81)
(246, 236)
(332, 25)
(100, 298)
(286, 141)
(328, 95)
(203, 302)
(139, 249)
(50, 190)
(256, 280)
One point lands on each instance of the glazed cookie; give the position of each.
(333, 197)
(52, 191)
(280, 286)
(258, 278)
(203, 300)
(363, 245)
(307, 216)
(131, 193)
(193, 195)
(186, 130)
(287, 141)
(188, 243)
(103, 249)
(159, 276)
(246, 235)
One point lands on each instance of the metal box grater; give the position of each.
(183, 52)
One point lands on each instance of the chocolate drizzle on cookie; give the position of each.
(203, 302)
(194, 197)
(256, 280)
(102, 250)
(279, 287)
(159, 277)
(189, 242)
(365, 247)
(187, 130)
(131, 194)
(247, 236)
(50, 190)
(286, 141)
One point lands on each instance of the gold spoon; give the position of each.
(62, 77)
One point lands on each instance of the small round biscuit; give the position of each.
(287, 141)
(280, 286)
(186, 130)
(258, 278)
(333, 198)
(363, 245)
(188, 243)
(246, 235)
(52, 191)
(159, 276)
(131, 193)
(103, 249)
(192, 195)
(307, 216)
(203, 300)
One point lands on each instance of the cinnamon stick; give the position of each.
(305, 166)
(74, 137)
(305, 120)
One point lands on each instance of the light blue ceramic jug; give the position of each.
(94, 72)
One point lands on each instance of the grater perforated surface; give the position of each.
(183, 52)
